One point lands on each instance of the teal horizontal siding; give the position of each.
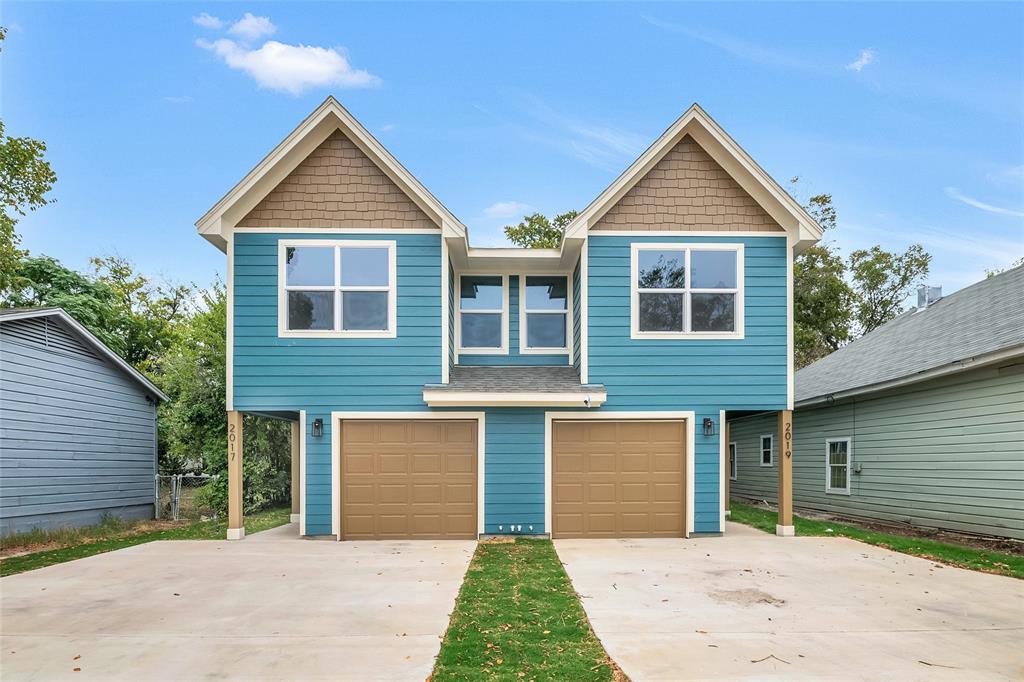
(703, 376)
(514, 357)
(325, 375)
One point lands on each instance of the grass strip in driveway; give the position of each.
(517, 617)
(942, 552)
(108, 537)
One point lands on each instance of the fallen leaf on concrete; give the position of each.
(75, 658)
(76, 670)
(939, 665)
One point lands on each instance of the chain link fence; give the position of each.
(180, 497)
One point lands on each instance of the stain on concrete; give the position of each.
(746, 597)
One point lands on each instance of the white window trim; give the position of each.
(523, 348)
(771, 449)
(338, 333)
(687, 247)
(734, 465)
(828, 467)
(462, 350)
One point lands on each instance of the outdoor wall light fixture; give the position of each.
(709, 426)
(318, 428)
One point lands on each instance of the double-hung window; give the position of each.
(767, 450)
(544, 320)
(837, 466)
(483, 314)
(687, 291)
(337, 288)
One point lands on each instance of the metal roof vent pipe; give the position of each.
(927, 295)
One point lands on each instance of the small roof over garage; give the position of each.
(515, 386)
(12, 314)
(980, 324)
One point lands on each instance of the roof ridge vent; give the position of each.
(927, 295)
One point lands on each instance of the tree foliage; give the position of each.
(883, 281)
(535, 231)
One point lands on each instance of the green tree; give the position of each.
(998, 271)
(149, 311)
(883, 281)
(822, 304)
(25, 179)
(537, 232)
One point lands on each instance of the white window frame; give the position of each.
(771, 449)
(462, 350)
(733, 456)
(337, 333)
(828, 466)
(686, 291)
(524, 349)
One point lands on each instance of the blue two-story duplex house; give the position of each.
(442, 390)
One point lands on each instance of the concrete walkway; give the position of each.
(750, 606)
(271, 607)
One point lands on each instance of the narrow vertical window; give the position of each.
(546, 307)
(767, 450)
(732, 461)
(482, 312)
(837, 465)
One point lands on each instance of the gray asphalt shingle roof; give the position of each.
(511, 379)
(983, 318)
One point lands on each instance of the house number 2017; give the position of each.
(231, 442)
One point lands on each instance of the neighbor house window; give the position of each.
(483, 313)
(837, 465)
(544, 320)
(687, 291)
(337, 288)
(732, 461)
(767, 450)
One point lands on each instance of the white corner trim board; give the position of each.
(687, 416)
(302, 472)
(481, 455)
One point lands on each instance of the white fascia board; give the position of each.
(316, 127)
(716, 142)
(447, 398)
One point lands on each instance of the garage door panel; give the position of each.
(408, 479)
(631, 483)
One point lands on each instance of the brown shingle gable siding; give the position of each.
(687, 190)
(337, 186)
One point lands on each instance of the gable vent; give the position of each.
(47, 332)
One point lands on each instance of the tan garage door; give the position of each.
(618, 479)
(411, 478)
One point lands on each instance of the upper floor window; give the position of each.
(687, 291)
(544, 317)
(337, 288)
(483, 313)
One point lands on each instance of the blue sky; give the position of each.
(912, 116)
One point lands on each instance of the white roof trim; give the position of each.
(90, 338)
(716, 142)
(448, 398)
(323, 121)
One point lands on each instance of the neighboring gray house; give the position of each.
(77, 426)
(919, 422)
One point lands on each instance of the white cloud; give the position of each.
(178, 99)
(291, 68)
(207, 21)
(388, 127)
(866, 57)
(507, 209)
(954, 193)
(251, 27)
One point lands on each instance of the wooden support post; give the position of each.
(784, 527)
(728, 465)
(296, 494)
(236, 530)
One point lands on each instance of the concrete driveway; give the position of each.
(752, 606)
(271, 607)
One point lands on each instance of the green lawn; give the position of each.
(943, 552)
(113, 534)
(518, 618)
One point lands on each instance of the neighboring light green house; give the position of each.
(919, 422)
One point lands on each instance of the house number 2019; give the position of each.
(787, 440)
